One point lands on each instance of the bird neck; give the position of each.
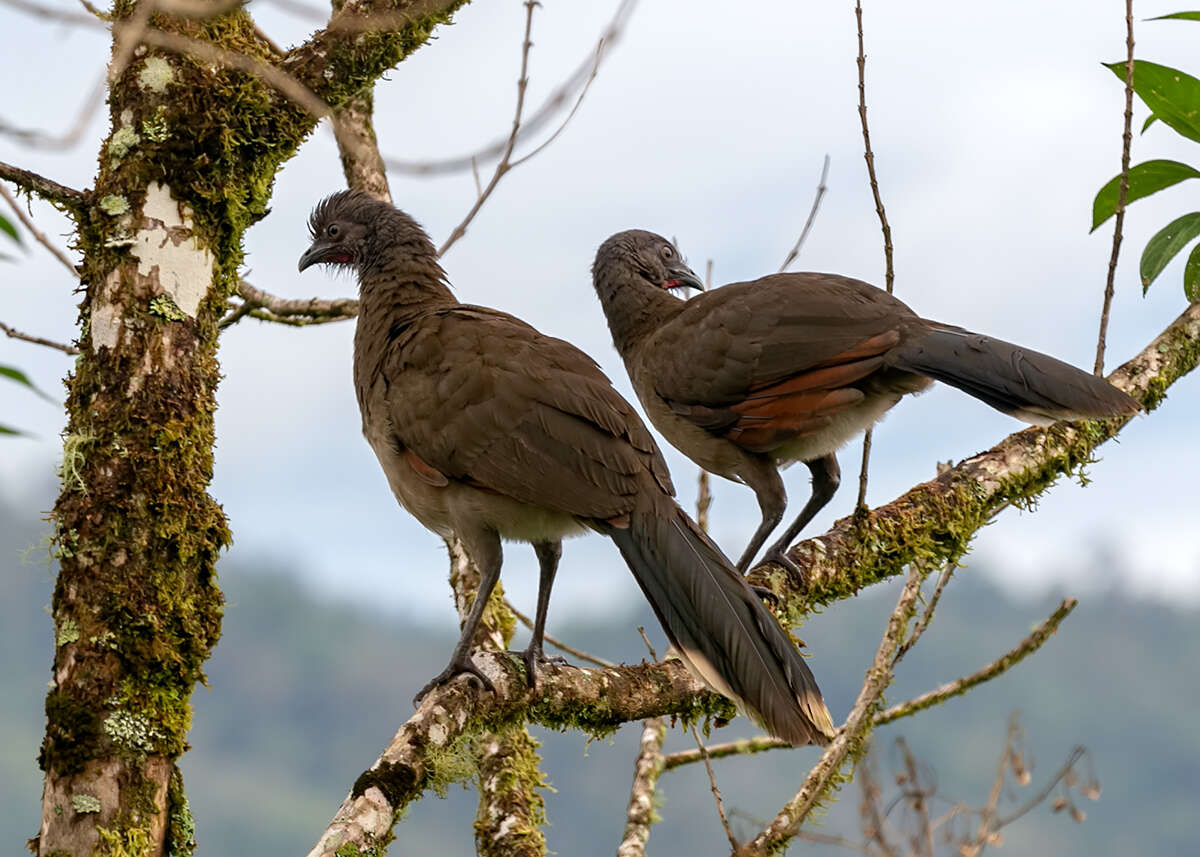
(400, 290)
(635, 310)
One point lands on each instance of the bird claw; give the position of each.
(453, 670)
(781, 559)
(533, 657)
(765, 593)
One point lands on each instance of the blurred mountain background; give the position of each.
(304, 693)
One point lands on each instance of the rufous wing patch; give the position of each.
(425, 472)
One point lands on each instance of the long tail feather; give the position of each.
(1027, 384)
(718, 625)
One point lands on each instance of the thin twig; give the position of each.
(1026, 647)
(505, 165)
(820, 779)
(50, 142)
(37, 234)
(927, 617)
(873, 821)
(716, 791)
(919, 799)
(558, 644)
(1122, 191)
(742, 747)
(581, 77)
(812, 216)
(889, 272)
(51, 191)
(37, 340)
(587, 85)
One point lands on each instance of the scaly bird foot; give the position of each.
(533, 657)
(789, 565)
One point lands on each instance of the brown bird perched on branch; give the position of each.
(489, 430)
(750, 377)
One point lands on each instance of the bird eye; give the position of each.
(668, 251)
(333, 231)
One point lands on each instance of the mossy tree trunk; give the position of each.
(189, 165)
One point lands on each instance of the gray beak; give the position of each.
(314, 254)
(681, 276)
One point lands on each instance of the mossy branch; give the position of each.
(935, 521)
(597, 701)
(363, 39)
(67, 198)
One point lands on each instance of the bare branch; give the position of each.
(812, 216)
(68, 139)
(49, 13)
(354, 131)
(1122, 191)
(37, 234)
(889, 272)
(742, 747)
(596, 700)
(67, 198)
(37, 340)
(646, 769)
(716, 792)
(580, 79)
(927, 616)
(1005, 662)
(504, 166)
(873, 821)
(288, 311)
(788, 821)
(934, 520)
(558, 644)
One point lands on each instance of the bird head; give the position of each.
(351, 229)
(648, 257)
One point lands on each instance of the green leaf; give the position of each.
(21, 378)
(1150, 120)
(1179, 16)
(1163, 247)
(1191, 276)
(1171, 95)
(1144, 179)
(9, 230)
(10, 431)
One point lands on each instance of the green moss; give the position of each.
(70, 470)
(164, 306)
(512, 812)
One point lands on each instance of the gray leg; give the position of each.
(548, 554)
(826, 476)
(485, 552)
(763, 479)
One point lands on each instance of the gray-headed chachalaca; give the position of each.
(489, 430)
(750, 377)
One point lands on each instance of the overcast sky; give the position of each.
(993, 126)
